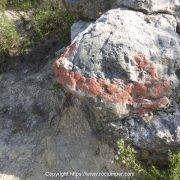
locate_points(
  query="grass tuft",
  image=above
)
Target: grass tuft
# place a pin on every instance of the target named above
(9, 37)
(3, 4)
(49, 21)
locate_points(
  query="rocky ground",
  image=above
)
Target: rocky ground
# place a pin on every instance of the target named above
(42, 128)
(42, 131)
(118, 78)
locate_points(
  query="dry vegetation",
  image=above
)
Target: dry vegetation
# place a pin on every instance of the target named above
(47, 19)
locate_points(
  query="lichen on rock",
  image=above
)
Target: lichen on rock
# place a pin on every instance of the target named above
(103, 63)
(122, 68)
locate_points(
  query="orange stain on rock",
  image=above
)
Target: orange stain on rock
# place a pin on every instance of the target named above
(147, 96)
(150, 105)
(139, 89)
(69, 50)
(145, 65)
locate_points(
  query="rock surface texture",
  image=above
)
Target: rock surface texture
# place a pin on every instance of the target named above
(43, 130)
(152, 7)
(89, 9)
(125, 70)
(119, 78)
(78, 27)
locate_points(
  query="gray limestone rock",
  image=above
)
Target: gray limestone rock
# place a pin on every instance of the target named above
(126, 49)
(78, 27)
(88, 9)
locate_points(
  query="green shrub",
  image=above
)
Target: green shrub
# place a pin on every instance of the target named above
(9, 37)
(127, 156)
(49, 21)
(175, 166)
(56, 87)
(33, 4)
(3, 4)
(22, 4)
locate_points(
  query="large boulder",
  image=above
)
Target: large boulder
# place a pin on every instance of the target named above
(148, 6)
(124, 69)
(89, 9)
(153, 6)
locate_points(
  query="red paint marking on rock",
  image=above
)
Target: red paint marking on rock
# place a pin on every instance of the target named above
(144, 97)
(145, 65)
(68, 52)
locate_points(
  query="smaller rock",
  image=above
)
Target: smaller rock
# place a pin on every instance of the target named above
(87, 9)
(78, 27)
(91, 10)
